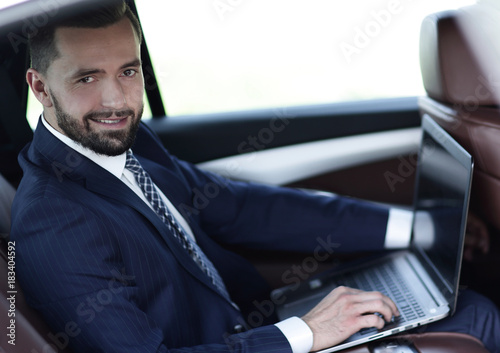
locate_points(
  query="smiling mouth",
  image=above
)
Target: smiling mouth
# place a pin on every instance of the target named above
(112, 122)
(108, 121)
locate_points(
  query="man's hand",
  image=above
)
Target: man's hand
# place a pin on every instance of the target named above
(344, 312)
(477, 237)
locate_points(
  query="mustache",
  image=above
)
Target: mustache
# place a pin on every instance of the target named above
(108, 114)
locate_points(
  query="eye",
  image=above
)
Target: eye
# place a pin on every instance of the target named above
(129, 73)
(87, 79)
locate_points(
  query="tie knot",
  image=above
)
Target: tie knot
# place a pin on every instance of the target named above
(132, 163)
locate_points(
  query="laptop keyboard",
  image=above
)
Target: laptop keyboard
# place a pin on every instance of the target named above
(387, 280)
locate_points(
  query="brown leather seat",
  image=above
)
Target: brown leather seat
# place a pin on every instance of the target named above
(434, 342)
(456, 51)
(28, 331)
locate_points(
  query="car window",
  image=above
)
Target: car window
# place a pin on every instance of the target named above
(223, 55)
(7, 3)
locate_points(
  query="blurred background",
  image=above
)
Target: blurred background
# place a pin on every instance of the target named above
(229, 55)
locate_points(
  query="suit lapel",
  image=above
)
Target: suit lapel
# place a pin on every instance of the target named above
(66, 163)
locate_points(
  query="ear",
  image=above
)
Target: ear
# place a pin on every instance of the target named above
(36, 81)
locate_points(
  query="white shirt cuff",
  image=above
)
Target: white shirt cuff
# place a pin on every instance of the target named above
(399, 225)
(298, 334)
(424, 230)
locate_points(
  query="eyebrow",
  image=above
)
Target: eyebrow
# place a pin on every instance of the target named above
(89, 72)
(133, 63)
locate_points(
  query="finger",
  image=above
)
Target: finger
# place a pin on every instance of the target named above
(484, 243)
(468, 254)
(470, 240)
(374, 295)
(341, 291)
(477, 241)
(370, 320)
(349, 290)
(477, 233)
(357, 296)
(383, 299)
(377, 306)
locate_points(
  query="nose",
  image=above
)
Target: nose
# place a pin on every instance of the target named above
(113, 96)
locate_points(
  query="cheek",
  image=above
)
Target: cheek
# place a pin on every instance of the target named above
(81, 103)
(135, 93)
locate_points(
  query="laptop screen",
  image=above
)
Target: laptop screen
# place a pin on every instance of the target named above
(441, 205)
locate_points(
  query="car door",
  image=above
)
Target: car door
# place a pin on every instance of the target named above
(362, 149)
(347, 119)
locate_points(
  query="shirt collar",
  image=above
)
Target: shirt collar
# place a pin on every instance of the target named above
(113, 164)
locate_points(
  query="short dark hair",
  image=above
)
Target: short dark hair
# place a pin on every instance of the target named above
(43, 49)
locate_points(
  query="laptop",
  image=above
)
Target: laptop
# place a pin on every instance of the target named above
(423, 280)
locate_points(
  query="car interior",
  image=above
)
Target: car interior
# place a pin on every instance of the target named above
(363, 149)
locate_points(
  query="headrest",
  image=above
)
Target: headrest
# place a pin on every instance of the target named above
(449, 60)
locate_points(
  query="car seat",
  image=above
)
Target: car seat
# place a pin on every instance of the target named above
(27, 331)
(462, 94)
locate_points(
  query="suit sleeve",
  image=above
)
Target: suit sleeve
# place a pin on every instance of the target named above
(263, 217)
(92, 300)
(280, 218)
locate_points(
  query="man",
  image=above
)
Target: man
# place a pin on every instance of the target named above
(105, 252)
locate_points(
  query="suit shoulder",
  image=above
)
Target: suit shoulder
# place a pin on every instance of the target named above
(40, 187)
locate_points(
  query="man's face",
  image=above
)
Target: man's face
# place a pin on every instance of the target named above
(95, 87)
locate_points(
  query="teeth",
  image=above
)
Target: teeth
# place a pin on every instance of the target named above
(108, 121)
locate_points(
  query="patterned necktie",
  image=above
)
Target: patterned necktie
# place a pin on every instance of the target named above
(147, 187)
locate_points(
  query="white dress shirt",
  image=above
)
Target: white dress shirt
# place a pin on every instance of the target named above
(116, 166)
(297, 332)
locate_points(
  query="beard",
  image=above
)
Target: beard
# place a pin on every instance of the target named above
(109, 143)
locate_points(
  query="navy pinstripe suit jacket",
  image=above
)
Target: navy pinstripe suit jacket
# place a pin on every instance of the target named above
(107, 276)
